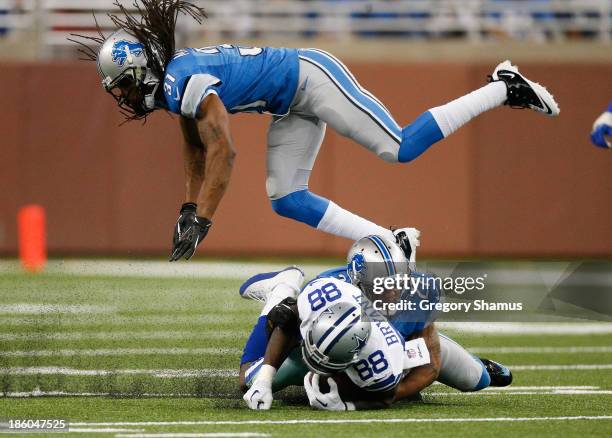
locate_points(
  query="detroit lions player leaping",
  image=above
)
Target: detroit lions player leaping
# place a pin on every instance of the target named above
(303, 89)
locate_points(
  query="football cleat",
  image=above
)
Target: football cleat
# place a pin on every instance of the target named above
(523, 93)
(408, 241)
(260, 285)
(500, 375)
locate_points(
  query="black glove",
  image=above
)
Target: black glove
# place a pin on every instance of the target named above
(186, 216)
(189, 231)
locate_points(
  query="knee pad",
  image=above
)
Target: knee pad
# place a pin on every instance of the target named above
(301, 206)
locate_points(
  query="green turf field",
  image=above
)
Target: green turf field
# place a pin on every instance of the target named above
(120, 356)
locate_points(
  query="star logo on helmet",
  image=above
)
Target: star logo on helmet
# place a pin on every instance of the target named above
(123, 48)
(360, 344)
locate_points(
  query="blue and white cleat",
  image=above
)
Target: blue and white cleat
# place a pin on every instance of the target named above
(260, 285)
(523, 93)
(500, 375)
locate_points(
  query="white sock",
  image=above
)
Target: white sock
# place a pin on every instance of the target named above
(457, 113)
(343, 223)
(278, 294)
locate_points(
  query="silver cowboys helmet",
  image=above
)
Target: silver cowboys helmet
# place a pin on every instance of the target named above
(372, 258)
(335, 339)
(122, 62)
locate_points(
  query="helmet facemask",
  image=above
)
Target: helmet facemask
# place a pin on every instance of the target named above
(134, 81)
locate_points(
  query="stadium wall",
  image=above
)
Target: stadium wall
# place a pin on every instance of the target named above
(508, 184)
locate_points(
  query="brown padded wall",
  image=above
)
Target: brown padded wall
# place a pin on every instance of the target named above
(511, 183)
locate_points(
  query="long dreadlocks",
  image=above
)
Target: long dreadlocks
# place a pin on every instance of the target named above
(152, 23)
(156, 26)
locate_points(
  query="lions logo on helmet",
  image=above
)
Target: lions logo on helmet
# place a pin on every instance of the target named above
(122, 49)
(356, 267)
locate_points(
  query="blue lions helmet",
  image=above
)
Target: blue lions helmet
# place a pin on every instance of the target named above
(123, 63)
(373, 259)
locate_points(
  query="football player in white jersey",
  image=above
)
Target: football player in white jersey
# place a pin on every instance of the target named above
(433, 357)
(304, 90)
(337, 336)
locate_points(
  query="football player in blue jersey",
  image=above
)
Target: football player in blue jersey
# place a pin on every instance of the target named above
(304, 90)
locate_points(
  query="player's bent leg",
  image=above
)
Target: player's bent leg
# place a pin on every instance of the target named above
(325, 215)
(272, 289)
(259, 286)
(293, 144)
(459, 369)
(338, 99)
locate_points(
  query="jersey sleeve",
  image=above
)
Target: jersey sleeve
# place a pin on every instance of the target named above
(198, 87)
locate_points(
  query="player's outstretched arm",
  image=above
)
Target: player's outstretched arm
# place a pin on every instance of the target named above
(283, 325)
(214, 129)
(209, 159)
(421, 377)
(194, 155)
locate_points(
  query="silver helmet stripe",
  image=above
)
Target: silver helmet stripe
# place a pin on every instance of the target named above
(335, 340)
(338, 330)
(331, 329)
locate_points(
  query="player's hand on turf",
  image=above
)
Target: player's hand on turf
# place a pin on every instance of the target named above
(189, 231)
(329, 401)
(259, 396)
(602, 131)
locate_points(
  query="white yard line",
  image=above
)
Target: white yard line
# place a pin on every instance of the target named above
(162, 373)
(535, 328)
(226, 315)
(228, 372)
(519, 390)
(37, 309)
(536, 388)
(121, 352)
(101, 430)
(487, 393)
(162, 269)
(560, 367)
(350, 421)
(190, 435)
(469, 327)
(77, 336)
(540, 350)
(227, 351)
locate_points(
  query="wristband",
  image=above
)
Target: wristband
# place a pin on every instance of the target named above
(189, 206)
(266, 373)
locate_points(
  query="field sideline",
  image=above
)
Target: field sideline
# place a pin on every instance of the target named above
(124, 349)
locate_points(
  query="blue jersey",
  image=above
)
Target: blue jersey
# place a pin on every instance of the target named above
(245, 79)
(405, 322)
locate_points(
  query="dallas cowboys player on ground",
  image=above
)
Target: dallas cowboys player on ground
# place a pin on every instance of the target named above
(303, 89)
(369, 258)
